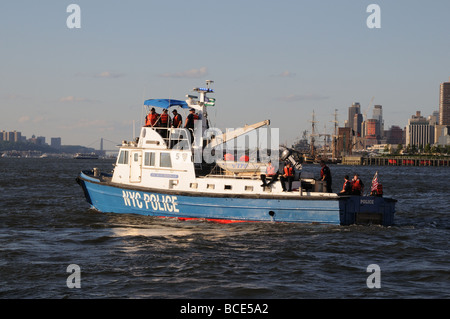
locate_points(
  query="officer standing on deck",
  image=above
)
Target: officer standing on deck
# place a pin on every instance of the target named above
(325, 175)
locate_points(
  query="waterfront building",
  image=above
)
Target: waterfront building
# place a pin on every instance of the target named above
(444, 136)
(419, 131)
(441, 135)
(394, 135)
(17, 136)
(444, 104)
(55, 142)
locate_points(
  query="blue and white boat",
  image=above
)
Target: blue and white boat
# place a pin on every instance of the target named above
(159, 174)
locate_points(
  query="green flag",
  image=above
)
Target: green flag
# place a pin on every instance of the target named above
(210, 102)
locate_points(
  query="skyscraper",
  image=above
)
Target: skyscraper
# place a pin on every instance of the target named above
(444, 104)
(352, 110)
(378, 115)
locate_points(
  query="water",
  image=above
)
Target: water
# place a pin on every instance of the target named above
(46, 225)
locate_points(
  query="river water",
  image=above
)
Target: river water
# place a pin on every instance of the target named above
(46, 225)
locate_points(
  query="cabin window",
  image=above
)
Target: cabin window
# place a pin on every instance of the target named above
(136, 157)
(227, 187)
(210, 186)
(165, 160)
(249, 188)
(149, 159)
(123, 157)
(194, 185)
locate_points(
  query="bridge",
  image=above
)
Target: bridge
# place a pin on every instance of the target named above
(101, 145)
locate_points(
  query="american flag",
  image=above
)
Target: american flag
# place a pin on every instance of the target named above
(374, 182)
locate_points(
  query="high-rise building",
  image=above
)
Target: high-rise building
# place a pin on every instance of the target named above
(352, 110)
(378, 115)
(357, 121)
(444, 104)
(17, 136)
(55, 142)
(40, 140)
(10, 136)
(419, 131)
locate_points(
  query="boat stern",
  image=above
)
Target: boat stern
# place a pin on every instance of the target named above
(367, 210)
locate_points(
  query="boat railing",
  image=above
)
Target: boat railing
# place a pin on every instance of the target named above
(175, 138)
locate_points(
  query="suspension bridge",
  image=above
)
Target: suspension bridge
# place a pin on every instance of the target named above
(101, 143)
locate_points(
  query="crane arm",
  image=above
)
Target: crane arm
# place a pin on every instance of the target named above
(221, 139)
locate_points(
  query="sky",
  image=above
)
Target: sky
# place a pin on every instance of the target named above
(279, 60)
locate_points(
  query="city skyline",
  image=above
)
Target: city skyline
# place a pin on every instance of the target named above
(279, 61)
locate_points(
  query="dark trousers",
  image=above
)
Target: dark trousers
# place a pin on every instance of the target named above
(273, 179)
(288, 179)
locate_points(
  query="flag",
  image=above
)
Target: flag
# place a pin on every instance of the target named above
(374, 183)
(210, 101)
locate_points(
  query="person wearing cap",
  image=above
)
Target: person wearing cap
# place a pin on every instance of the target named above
(177, 119)
(189, 124)
(152, 118)
(270, 172)
(164, 121)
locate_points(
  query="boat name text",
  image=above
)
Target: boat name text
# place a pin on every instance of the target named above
(165, 203)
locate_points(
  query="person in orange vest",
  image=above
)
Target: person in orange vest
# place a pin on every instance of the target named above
(357, 185)
(325, 175)
(270, 172)
(347, 187)
(288, 176)
(152, 118)
(177, 119)
(164, 120)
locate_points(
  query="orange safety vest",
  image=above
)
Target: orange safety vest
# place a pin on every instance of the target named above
(356, 186)
(164, 119)
(176, 120)
(288, 171)
(151, 119)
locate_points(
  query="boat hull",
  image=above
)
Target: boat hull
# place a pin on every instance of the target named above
(107, 197)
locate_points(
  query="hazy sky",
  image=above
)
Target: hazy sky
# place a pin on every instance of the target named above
(276, 60)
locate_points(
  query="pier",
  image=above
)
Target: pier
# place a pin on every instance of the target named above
(395, 161)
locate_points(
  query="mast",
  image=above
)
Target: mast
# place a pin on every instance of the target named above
(335, 136)
(313, 133)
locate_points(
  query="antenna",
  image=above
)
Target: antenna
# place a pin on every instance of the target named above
(208, 83)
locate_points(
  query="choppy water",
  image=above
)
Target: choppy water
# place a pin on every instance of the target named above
(46, 225)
